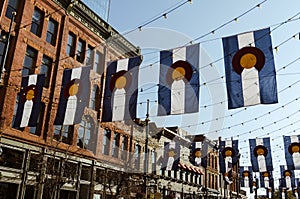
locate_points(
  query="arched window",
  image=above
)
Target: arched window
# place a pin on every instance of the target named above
(85, 133)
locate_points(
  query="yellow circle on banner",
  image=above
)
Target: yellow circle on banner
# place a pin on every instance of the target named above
(260, 151)
(198, 154)
(171, 153)
(248, 60)
(73, 90)
(266, 174)
(178, 73)
(228, 153)
(295, 149)
(120, 82)
(286, 173)
(30, 94)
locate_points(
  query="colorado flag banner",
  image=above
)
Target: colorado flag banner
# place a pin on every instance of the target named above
(121, 90)
(292, 151)
(228, 157)
(74, 96)
(29, 105)
(287, 177)
(198, 153)
(246, 176)
(178, 91)
(261, 158)
(171, 155)
(249, 68)
(266, 179)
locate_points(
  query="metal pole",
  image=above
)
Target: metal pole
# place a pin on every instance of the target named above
(146, 149)
(2, 68)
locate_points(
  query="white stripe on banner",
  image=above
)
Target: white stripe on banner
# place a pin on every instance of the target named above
(32, 80)
(270, 194)
(282, 195)
(119, 95)
(250, 79)
(72, 100)
(178, 87)
(170, 159)
(261, 158)
(295, 155)
(288, 181)
(228, 160)
(246, 182)
(266, 180)
(198, 145)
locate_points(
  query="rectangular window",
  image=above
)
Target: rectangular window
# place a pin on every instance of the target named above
(12, 6)
(29, 61)
(46, 69)
(52, 32)
(137, 156)
(63, 133)
(71, 44)
(115, 145)
(37, 22)
(99, 62)
(80, 51)
(106, 142)
(89, 56)
(124, 146)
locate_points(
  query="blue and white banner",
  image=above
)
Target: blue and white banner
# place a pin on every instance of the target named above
(121, 90)
(292, 151)
(29, 105)
(246, 176)
(250, 71)
(198, 153)
(287, 177)
(260, 151)
(266, 179)
(228, 157)
(74, 96)
(171, 156)
(178, 91)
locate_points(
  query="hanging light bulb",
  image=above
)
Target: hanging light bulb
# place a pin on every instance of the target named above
(165, 15)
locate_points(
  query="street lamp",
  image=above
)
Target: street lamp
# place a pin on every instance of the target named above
(2, 67)
(145, 123)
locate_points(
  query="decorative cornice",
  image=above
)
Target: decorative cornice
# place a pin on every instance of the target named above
(99, 27)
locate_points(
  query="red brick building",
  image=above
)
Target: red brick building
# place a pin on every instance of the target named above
(55, 161)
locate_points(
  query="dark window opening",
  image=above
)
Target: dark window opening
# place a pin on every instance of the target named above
(37, 22)
(46, 69)
(52, 32)
(71, 44)
(29, 61)
(63, 133)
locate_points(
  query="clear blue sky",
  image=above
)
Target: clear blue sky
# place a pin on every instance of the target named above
(196, 19)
